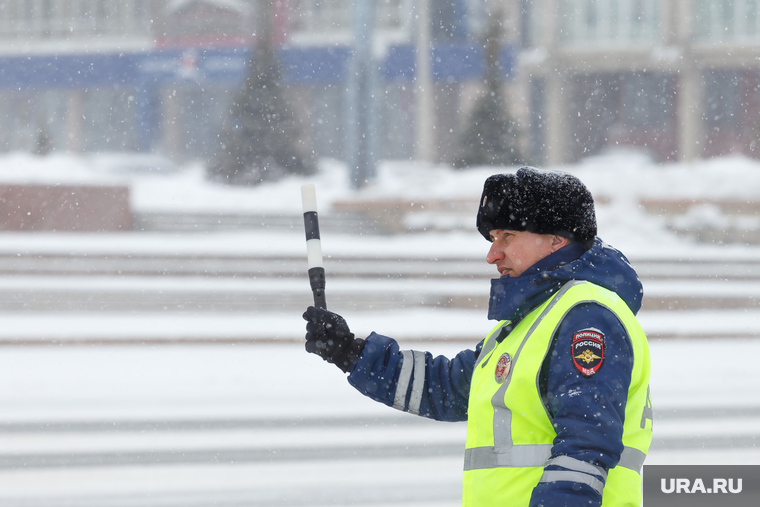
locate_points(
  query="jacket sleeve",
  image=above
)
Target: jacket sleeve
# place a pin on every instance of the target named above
(413, 381)
(588, 411)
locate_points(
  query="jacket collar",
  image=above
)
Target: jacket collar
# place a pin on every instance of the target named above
(513, 298)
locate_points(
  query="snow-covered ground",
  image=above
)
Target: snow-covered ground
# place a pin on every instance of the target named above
(249, 418)
(619, 181)
(239, 424)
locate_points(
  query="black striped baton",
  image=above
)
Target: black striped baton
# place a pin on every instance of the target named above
(313, 244)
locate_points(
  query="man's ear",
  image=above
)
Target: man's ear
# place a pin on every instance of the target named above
(558, 242)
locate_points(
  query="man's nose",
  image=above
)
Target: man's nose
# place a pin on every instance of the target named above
(494, 254)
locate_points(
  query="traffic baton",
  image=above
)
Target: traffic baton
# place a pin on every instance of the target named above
(313, 244)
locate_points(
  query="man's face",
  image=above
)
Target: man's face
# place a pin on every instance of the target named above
(512, 252)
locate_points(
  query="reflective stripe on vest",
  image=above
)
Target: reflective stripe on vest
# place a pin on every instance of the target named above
(535, 455)
(533, 449)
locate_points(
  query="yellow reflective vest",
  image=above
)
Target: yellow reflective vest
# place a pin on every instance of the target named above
(509, 431)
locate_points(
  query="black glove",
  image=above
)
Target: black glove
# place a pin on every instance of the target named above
(328, 336)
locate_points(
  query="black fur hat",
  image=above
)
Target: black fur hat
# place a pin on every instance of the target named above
(543, 202)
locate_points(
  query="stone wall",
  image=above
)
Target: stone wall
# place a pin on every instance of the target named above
(38, 207)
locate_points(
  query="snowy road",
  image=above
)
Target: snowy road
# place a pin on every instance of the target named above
(271, 425)
(236, 288)
(159, 371)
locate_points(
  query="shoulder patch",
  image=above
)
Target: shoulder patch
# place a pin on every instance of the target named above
(588, 351)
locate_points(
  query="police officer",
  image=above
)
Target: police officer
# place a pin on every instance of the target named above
(556, 397)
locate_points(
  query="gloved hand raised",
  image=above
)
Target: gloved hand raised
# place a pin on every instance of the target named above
(328, 336)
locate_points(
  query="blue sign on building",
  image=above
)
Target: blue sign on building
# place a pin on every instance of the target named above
(323, 65)
(147, 71)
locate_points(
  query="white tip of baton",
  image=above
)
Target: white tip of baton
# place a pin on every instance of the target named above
(309, 197)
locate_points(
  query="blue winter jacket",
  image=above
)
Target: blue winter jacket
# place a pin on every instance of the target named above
(588, 413)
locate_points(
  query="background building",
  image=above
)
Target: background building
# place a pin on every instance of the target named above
(678, 78)
(94, 75)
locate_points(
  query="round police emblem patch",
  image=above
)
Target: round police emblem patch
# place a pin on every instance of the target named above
(503, 367)
(588, 351)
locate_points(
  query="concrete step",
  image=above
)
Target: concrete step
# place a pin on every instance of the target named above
(235, 266)
(57, 280)
(269, 302)
(254, 265)
(352, 223)
(290, 294)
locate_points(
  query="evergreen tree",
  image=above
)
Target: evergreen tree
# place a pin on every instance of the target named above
(259, 139)
(491, 135)
(44, 144)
